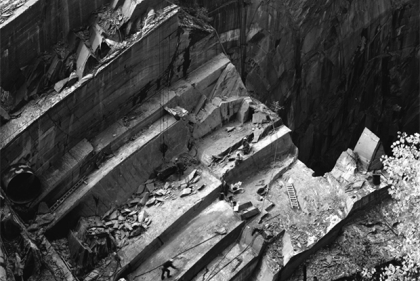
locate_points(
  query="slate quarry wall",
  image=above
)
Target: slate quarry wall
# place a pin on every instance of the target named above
(335, 67)
(47, 129)
(35, 28)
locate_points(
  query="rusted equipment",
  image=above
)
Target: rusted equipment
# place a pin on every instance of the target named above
(21, 184)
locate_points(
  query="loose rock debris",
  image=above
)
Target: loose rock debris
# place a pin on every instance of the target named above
(8, 8)
(95, 238)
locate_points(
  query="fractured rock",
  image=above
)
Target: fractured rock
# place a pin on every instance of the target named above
(186, 191)
(191, 176)
(135, 201)
(150, 186)
(145, 198)
(177, 112)
(269, 206)
(250, 212)
(142, 215)
(259, 118)
(151, 201)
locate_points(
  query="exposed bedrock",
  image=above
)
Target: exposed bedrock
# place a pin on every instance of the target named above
(335, 67)
(35, 28)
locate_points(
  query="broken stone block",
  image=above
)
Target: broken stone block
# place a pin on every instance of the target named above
(177, 112)
(369, 150)
(236, 207)
(151, 201)
(128, 226)
(195, 179)
(135, 201)
(145, 198)
(250, 212)
(191, 176)
(92, 276)
(230, 129)
(201, 187)
(358, 184)
(109, 223)
(244, 206)
(259, 118)
(106, 215)
(186, 191)
(60, 85)
(263, 216)
(150, 186)
(269, 206)
(140, 189)
(142, 215)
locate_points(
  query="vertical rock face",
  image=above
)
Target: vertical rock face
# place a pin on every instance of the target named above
(34, 29)
(335, 66)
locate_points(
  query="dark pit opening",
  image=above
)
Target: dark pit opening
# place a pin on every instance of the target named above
(23, 187)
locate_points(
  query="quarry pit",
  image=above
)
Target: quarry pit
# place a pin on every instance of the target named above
(215, 135)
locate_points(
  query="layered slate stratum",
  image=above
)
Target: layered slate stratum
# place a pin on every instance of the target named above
(158, 146)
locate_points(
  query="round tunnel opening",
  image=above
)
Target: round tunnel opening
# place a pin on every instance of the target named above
(21, 184)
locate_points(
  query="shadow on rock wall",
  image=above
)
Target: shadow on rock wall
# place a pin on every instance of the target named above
(335, 66)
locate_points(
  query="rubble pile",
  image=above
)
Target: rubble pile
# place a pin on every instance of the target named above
(91, 244)
(110, 20)
(28, 255)
(129, 221)
(52, 72)
(189, 21)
